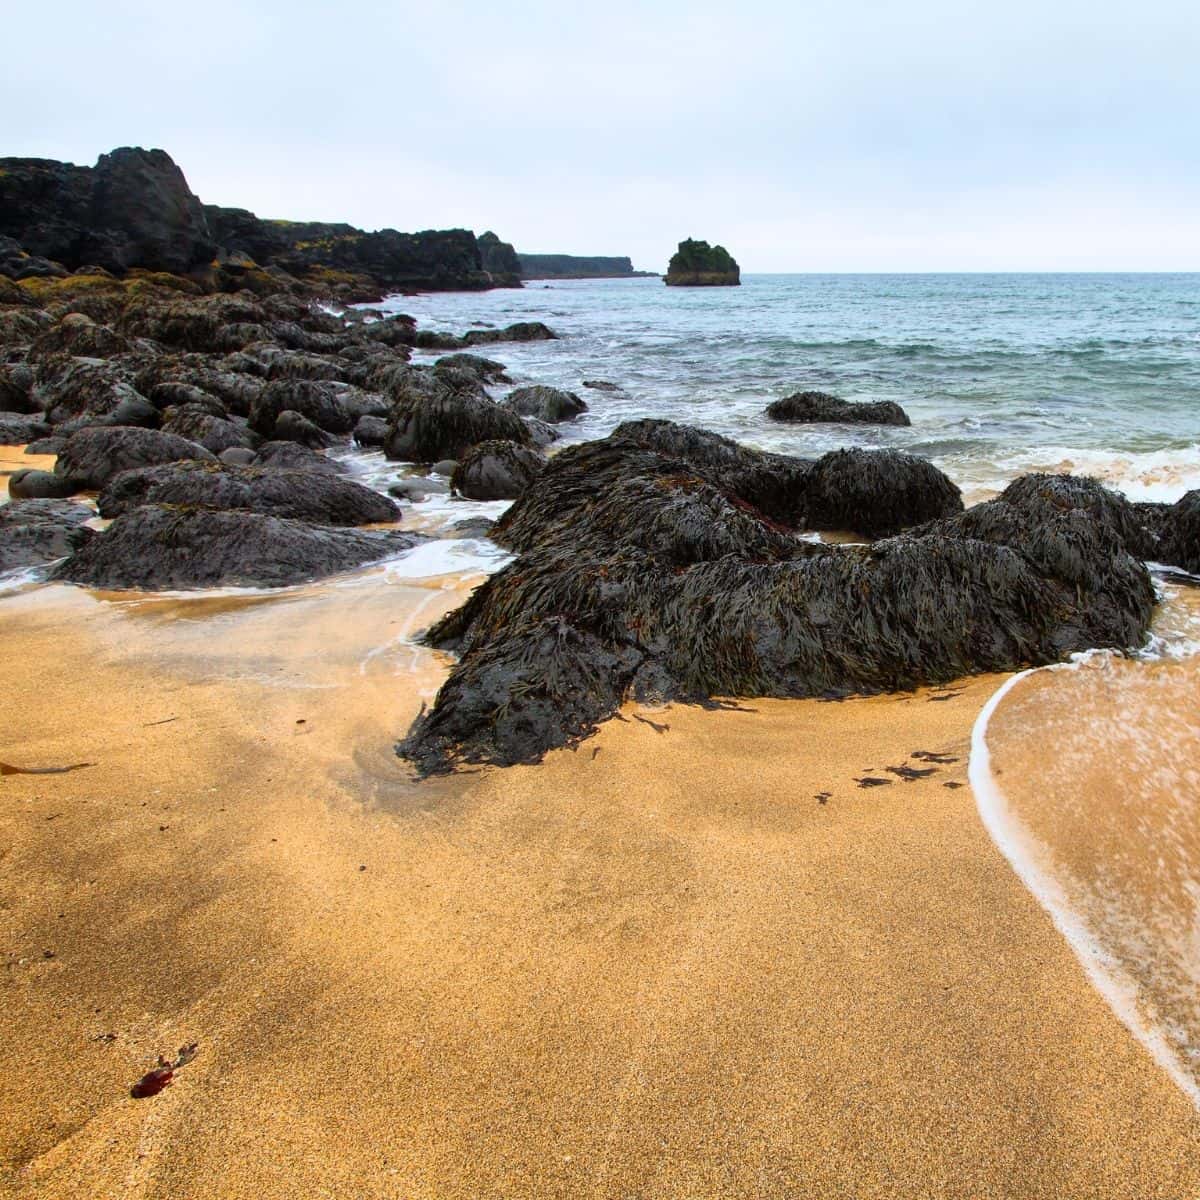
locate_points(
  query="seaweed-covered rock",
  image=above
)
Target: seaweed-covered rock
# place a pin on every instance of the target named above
(16, 389)
(316, 401)
(1066, 493)
(658, 579)
(81, 389)
(521, 331)
(38, 531)
(370, 431)
(496, 471)
(876, 492)
(486, 370)
(697, 264)
(197, 423)
(545, 403)
(321, 497)
(16, 429)
(295, 427)
(291, 456)
(1180, 537)
(447, 425)
(32, 484)
(79, 336)
(154, 546)
(91, 457)
(812, 407)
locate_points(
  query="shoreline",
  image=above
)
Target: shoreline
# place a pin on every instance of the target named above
(658, 964)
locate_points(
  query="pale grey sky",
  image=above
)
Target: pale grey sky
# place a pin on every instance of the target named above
(805, 136)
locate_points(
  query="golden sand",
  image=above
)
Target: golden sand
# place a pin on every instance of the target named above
(693, 958)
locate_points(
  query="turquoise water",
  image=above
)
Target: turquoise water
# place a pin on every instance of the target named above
(999, 373)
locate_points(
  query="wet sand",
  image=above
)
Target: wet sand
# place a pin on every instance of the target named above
(693, 958)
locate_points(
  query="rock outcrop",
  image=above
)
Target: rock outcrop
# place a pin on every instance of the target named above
(813, 407)
(653, 574)
(576, 266)
(697, 264)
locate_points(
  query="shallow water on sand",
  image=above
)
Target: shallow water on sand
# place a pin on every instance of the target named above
(1088, 777)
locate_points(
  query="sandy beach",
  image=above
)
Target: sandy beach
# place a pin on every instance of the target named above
(692, 958)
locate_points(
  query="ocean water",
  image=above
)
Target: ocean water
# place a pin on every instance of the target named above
(1000, 374)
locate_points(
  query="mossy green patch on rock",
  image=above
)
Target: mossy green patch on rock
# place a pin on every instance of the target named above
(697, 264)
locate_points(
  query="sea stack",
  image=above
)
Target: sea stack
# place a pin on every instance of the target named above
(697, 264)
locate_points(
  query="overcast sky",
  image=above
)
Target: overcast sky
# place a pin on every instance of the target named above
(837, 135)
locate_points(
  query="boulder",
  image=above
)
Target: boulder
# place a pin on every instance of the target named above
(643, 575)
(16, 429)
(876, 492)
(33, 532)
(496, 471)
(1180, 538)
(153, 547)
(16, 390)
(545, 403)
(446, 425)
(31, 484)
(81, 389)
(315, 401)
(295, 427)
(91, 457)
(80, 337)
(197, 423)
(521, 331)
(291, 456)
(813, 407)
(237, 456)
(321, 497)
(370, 431)
(486, 370)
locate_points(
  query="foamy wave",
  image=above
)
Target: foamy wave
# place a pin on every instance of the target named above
(1161, 475)
(1026, 856)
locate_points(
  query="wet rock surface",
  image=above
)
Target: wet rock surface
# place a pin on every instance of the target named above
(155, 547)
(91, 457)
(33, 532)
(811, 407)
(545, 403)
(325, 498)
(496, 471)
(654, 575)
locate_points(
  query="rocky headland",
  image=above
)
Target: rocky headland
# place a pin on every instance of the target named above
(697, 264)
(134, 210)
(577, 266)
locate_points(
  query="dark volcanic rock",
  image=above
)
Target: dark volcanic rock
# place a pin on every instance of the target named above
(17, 429)
(79, 336)
(546, 403)
(133, 209)
(81, 389)
(499, 260)
(496, 471)
(486, 370)
(31, 484)
(16, 390)
(370, 431)
(522, 331)
(153, 547)
(38, 531)
(324, 498)
(1180, 538)
(876, 492)
(290, 456)
(197, 423)
(811, 407)
(316, 401)
(648, 575)
(295, 427)
(91, 457)
(697, 264)
(447, 425)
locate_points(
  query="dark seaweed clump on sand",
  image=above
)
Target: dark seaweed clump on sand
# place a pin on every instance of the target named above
(664, 562)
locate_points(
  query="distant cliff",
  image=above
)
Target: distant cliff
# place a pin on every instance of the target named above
(134, 210)
(697, 264)
(575, 266)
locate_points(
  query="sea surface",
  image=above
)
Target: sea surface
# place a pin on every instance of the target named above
(1000, 374)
